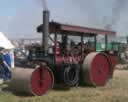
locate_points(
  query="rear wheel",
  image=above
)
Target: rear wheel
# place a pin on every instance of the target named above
(96, 69)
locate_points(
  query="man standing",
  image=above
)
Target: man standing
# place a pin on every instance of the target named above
(3, 65)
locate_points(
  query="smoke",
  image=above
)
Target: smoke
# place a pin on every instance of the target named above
(43, 4)
(86, 9)
(106, 14)
(118, 7)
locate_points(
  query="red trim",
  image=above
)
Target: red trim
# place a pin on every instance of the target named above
(86, 30)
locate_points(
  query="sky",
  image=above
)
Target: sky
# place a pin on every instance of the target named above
(19, 18)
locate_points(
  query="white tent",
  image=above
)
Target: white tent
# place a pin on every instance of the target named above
(5, 42)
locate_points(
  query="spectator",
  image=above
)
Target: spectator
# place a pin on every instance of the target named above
(3, 65)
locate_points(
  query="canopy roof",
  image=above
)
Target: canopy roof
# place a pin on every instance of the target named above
(5, 42)
(60, 28)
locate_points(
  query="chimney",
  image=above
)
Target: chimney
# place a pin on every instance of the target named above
(45, 31)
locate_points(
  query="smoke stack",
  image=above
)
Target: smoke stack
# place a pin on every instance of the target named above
(45, 31)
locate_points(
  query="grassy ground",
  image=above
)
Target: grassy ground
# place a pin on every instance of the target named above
(115, 91)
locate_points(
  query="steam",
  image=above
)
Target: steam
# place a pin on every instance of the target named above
(44, 4)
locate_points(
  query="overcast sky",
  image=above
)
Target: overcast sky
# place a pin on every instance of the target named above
(19, 18)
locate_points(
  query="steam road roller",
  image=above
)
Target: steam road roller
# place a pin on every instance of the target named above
(68, 59)
(73, 57)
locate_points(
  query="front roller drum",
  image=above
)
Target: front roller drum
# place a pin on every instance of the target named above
(96, 69)
(32, 81)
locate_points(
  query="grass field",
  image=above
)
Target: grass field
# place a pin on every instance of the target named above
(115, 91)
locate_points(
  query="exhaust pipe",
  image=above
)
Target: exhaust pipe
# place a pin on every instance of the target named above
(45, 31)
